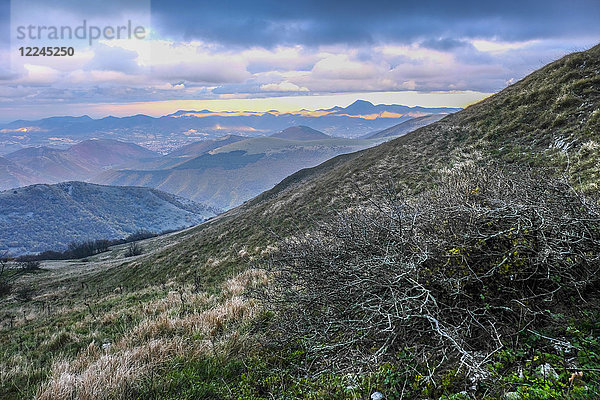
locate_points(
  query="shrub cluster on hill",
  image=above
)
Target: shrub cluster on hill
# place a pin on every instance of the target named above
(448, 278)
(90, 247)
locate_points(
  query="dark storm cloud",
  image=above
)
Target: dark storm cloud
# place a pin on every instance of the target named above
(445, 44)
(87, 8)
(268, 23)
(4, 35)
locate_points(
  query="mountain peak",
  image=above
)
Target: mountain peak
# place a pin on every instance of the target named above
(362, 103)
(360, 107)
(301, 132)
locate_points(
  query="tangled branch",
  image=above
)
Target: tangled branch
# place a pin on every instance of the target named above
(448, 275)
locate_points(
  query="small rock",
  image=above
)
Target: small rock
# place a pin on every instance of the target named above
(106, 346)
(547, 372)
(377, 396)
(512, 396)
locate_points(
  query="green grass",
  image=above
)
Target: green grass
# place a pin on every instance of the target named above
(517, 367)
(279, 374)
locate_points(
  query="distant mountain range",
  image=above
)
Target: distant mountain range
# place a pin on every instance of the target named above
(49, 217)
(222, 172)
(225, 172)
(172, 131)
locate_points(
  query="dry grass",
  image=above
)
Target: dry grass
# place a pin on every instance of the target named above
(15, 365)
(181, 324)
(247, 279)
(111, 375)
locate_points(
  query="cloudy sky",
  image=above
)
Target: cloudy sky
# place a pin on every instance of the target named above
(260, 55)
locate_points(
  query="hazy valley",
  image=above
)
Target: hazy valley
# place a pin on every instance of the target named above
(222, 172)
(167, 133)
(226, 176)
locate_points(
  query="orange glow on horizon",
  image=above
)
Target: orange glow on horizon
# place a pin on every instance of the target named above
(313, 105)
(301, 105)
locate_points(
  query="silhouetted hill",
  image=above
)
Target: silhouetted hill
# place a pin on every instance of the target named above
(300, 133)
(166, 133)
(49, 217)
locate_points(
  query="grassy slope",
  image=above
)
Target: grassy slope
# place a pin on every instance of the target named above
(406, 126)
(551, 117)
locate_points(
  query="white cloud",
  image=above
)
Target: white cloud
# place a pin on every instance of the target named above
(280, 58)
(168, 86)
(187, 61)
(212, 71)
(84, 78)
(415, 54)
(494, 46)
(340, 66)
(39, 75)
(284, 86)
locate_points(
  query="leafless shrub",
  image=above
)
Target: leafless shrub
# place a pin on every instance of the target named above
(5, 285)
(10, 270)
(134, 249)
(29, 265)
(448, 275)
